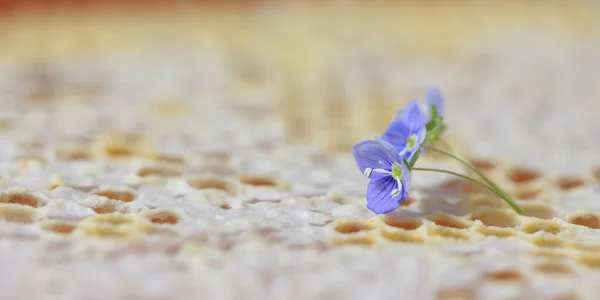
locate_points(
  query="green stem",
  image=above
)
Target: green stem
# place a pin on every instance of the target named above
(510, 202)
(471, 167)
(498, 190)
(459, 175)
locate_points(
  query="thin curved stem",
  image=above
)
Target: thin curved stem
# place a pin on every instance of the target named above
(498, 190)
(458, 175)
(471, 167)
(510, 202)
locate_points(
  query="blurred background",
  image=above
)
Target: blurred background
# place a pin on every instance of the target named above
(519, 77)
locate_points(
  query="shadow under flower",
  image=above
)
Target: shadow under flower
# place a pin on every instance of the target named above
(449, 197)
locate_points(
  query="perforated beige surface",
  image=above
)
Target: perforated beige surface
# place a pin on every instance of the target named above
(222, 170)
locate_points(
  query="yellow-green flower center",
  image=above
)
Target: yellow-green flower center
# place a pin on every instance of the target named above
(411, 142)
(397, 171)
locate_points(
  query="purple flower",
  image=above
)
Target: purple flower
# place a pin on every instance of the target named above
(390, 176)
(408, 131)
(435, 103)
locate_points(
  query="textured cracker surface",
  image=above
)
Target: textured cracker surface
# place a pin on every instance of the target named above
(207, 155)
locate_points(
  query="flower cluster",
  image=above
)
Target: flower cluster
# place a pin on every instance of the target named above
(387, 161)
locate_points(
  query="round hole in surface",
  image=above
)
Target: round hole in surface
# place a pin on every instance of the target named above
(120, 144)
(158, 171)
(352, 226)
(538, 210)
(483, 200)
(162, 217)
(590, 221)
(496, 218)
(527, 193)
(125, 196)
(522, 175)
(59, 227)
(22, 199)
(213, 183)
(406, 224)
(69, 154)
(584, 219)
(553, 268)
(464, 186)
(118, 151)
(448, 221)
(483, 164)
(257, 180)
(105, 208)
(569, 183)
(505, 275)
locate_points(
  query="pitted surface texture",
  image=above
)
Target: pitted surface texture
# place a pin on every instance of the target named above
(186, 160)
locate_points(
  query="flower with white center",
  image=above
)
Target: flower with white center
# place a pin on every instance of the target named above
(389, 175)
